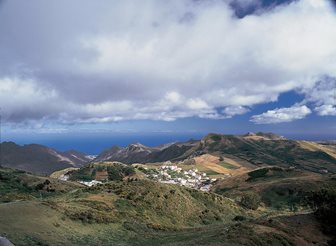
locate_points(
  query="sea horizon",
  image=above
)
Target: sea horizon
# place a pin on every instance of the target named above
(93, 144)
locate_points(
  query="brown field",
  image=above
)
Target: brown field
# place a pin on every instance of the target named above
(312, 146)
(210, 162)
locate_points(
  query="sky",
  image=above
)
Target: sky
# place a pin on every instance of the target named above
(87, 74)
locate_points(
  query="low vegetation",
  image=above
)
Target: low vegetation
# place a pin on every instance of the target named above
(16, 185)
(250, 200)
(278, 188)
(323, 202)
(114, 171)
(269, 150)
(142, 212)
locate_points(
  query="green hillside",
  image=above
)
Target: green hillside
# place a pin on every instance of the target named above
(279, 152)
(143, 212)
(17, 185)
(278, 188)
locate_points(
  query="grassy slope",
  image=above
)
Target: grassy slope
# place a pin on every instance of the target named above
(279, 188)
(18, 185)
(318, 147)
(212, 164)
(143, 213)
(31, 223)
(270, 152)
(118, 212)
(59, 173)
(156, 205)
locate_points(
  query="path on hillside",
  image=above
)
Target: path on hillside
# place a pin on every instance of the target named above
(5, 242)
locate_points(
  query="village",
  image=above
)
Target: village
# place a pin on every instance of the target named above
(171, 174)
(168, 174)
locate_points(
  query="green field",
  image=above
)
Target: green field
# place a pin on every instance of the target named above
(227, 165)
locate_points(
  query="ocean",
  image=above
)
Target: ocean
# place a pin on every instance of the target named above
(95, 143)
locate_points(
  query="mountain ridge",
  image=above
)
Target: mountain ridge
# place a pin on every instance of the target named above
(38, 158)
(249, 150)
(258, 149)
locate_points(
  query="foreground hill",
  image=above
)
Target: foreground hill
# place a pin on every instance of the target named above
(141, 212)
(278, 188)
(248, 151)
(39, 159)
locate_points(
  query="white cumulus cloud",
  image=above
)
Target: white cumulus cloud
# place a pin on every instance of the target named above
(280, 115)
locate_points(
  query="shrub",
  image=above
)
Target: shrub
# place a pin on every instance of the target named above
(324, 204)
(216, 137)
(259, 173)
(39, 186)
(142, 169)
(114, 173)
(250, 200)
(118, 172)
(239, 218)
(81, 174)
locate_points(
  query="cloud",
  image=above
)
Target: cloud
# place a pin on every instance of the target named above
(231, 111)
(322, 95)
(280, 115)
(326, 110)
(89, 61)
(25, 99)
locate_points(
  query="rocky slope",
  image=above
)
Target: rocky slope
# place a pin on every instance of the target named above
(138, 153)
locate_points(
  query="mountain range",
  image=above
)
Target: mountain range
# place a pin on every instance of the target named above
(250, 150)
